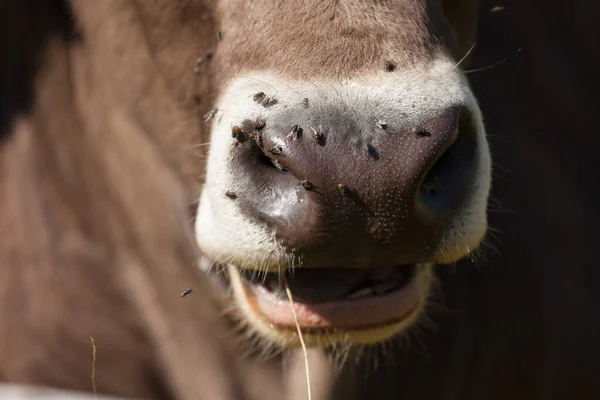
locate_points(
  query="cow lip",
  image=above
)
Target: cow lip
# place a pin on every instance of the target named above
(347, 313)
(316, 286)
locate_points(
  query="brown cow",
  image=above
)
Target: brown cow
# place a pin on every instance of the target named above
(346, 164)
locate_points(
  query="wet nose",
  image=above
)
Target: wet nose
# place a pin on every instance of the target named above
(339, 189)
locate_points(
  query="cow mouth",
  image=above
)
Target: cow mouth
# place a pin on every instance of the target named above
(358, 305)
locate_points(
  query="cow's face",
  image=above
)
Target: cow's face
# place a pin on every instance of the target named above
(347, 156)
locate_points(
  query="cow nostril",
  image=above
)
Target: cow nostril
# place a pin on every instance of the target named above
(271, 162)
(264, 160)
(259, 156)
(448, 181)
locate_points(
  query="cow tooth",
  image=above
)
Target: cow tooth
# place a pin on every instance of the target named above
(364, 292)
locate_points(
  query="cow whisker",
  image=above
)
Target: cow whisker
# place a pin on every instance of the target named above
(465, 56)
(266, 83)
(505, 59)
(200, 145)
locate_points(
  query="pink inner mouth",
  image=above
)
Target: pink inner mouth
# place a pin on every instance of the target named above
(337, 299)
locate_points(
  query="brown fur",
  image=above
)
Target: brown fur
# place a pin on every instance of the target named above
(339, 39)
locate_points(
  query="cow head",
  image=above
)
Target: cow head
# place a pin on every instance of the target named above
(347, 156)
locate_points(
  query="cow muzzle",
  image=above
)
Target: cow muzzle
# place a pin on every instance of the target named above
(348, 192)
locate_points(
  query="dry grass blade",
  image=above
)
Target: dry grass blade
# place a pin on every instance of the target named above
(289, 295)
(93, 365)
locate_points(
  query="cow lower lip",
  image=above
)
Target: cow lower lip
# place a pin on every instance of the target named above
(363, 308)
